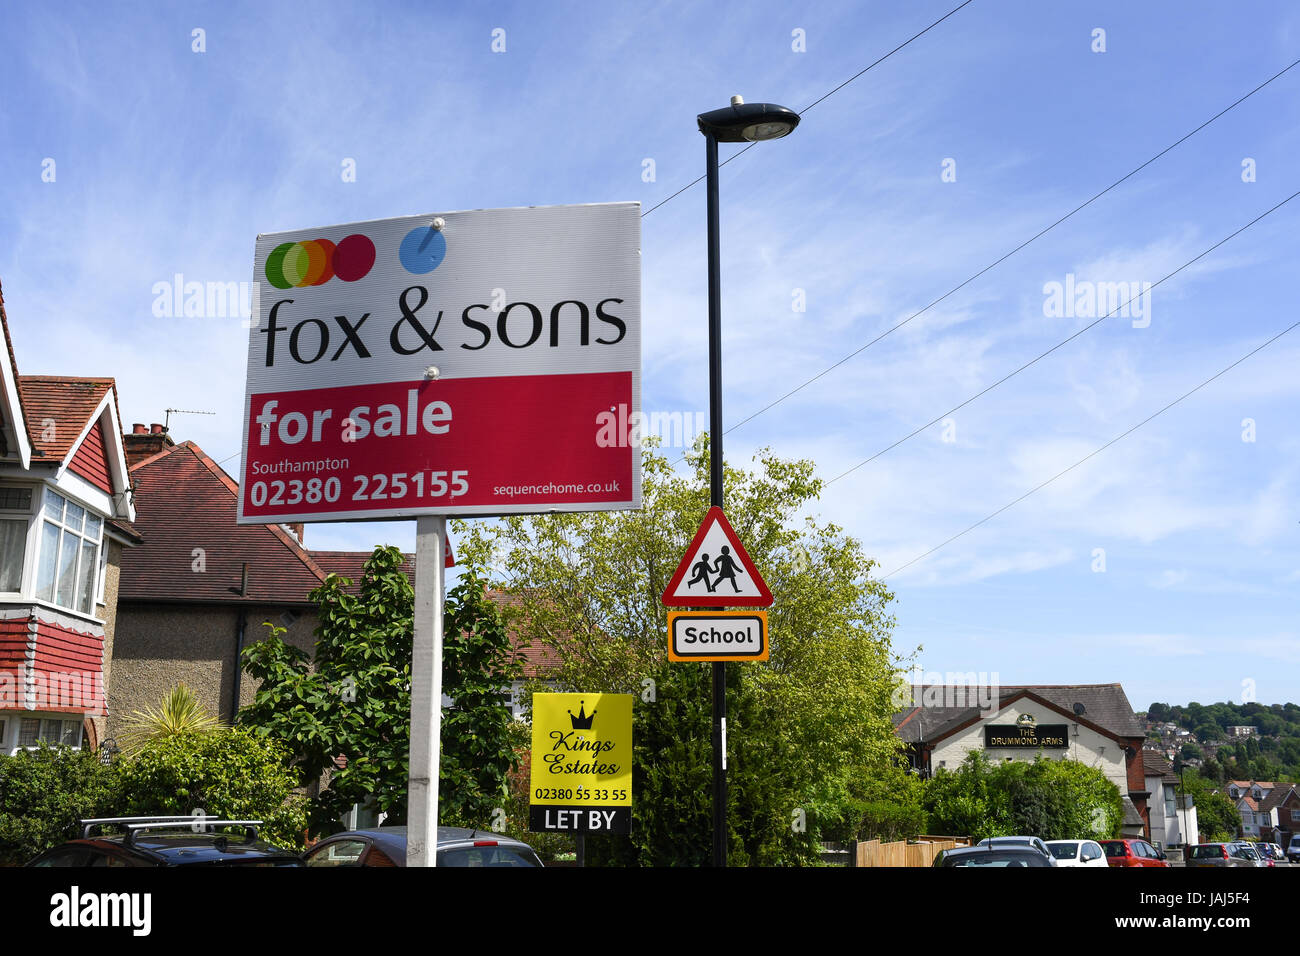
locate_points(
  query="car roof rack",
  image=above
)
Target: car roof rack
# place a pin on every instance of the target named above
(90, 823)
(136, 825)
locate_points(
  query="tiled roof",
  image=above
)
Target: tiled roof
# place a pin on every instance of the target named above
(351, 564)
(67, 402)
(1104, 705)
(1155, 765)
(184, 502)
(1277, 796)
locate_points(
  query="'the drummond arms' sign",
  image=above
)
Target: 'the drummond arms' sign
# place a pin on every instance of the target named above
(1048, 736)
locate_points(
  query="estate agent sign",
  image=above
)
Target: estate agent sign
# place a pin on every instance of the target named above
(459, 363)
(581, 776)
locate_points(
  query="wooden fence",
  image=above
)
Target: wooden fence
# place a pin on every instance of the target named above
(903, 853)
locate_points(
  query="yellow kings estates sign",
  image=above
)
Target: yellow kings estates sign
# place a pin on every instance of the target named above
(581, 763)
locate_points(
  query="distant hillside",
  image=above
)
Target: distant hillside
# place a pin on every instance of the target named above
(1272, 752)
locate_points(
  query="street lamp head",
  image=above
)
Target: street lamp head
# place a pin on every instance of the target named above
(748, 122)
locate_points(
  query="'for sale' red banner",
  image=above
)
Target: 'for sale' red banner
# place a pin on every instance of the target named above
(463, 445)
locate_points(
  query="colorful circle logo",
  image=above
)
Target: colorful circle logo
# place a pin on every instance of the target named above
(294, 265)
(422, 250)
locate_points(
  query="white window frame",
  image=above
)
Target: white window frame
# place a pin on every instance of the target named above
(60, 728)
(27, 516)
(36, 532)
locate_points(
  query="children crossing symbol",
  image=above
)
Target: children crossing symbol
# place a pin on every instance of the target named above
(720, 571)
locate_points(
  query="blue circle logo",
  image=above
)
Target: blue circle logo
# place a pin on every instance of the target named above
(422, 250)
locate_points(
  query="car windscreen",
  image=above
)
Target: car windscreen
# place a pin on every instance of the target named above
(1114, 849)
(1064, 851)
(1207, 851)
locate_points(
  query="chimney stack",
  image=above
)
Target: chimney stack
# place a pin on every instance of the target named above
(145, 442)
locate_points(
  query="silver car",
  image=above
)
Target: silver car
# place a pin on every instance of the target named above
(1217, 855)
(1001, 841)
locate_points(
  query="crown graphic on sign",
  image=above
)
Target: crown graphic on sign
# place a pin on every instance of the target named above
(1026, 720)
(581, 720)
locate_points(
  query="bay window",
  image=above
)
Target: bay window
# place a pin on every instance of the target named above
(70, 540)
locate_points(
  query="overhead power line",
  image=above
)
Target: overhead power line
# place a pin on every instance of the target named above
(1117, 438)
(1042, 355)
(818, 100)
(1038, 235)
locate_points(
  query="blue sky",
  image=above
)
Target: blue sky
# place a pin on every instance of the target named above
(170, 161)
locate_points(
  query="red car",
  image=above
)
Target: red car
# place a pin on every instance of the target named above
(1132, 853)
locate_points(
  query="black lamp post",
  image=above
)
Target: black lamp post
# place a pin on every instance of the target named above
(740, 122)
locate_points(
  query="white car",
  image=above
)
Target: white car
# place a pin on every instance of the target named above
(1077, 853)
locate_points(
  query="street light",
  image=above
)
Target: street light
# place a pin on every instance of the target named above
(740, 122)
(753, 122)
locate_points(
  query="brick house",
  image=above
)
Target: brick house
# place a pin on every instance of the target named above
(201, 586)
(64, 498)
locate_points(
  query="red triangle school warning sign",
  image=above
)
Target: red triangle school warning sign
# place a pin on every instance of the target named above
(716, 571)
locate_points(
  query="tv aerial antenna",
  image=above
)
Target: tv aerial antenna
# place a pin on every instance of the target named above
(167, 421)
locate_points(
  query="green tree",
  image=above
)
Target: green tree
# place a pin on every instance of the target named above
(352, 699)
(589, 586)
(45, 792)
(1051, 799)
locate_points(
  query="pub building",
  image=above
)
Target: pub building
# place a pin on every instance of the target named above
(1091, 723)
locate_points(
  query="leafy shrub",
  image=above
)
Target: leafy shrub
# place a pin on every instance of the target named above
(45, 792)
(228, 774)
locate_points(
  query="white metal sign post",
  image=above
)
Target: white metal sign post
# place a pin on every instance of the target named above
(466, 363)
(426, 691)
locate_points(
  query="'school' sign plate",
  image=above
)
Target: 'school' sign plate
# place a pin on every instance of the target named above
(717, 636)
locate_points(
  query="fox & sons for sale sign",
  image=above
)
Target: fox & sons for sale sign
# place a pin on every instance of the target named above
(483, 362)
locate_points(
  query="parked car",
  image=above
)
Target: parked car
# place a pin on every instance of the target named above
(1293, 851)
(1032, 841)
(1078, 853)
(386, 846)
(1248, 851)
(986, 854)
(167, 841)
(1215, 855)
(1131, 852)
(1273, 853)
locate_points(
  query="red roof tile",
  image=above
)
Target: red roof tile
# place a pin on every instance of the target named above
(351, 564)
(184, 502)
(65, 402)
